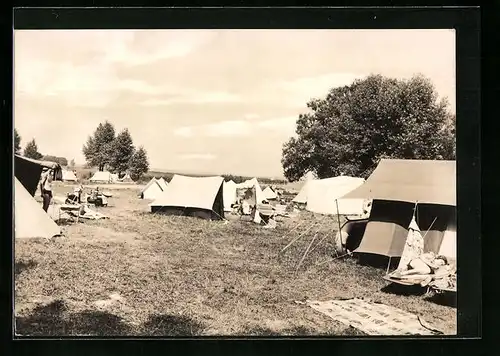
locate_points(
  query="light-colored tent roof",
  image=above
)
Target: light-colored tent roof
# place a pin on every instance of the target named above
(251, 183)
(163, 184)
(126, 179)
(152, 190)
(69, 176)
(114, 177)
(324, 195)
(190, 192)
(229, 194)
(301, 198)
(101, 176)
(309, 176)
(269, 193)
(30, 219)
(422, 181)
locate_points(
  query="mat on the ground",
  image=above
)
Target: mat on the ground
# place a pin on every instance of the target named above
(373, 318)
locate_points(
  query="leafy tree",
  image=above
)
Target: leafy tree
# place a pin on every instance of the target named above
(121, 152)
(17, 142)
(72, 163)
(355, 126)
(98, 148)
(138, 164)
(61, 160)
(31, 150)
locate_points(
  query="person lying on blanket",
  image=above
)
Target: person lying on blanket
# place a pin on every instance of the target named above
(426, 263)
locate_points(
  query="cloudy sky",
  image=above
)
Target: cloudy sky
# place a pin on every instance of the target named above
(200, 101)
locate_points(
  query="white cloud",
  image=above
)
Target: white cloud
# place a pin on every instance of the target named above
(300, 90)
(228, 128)
(174, 43)
(197, 156)
(186, 96)
(251, 116)
(184, 131)
(285, 124)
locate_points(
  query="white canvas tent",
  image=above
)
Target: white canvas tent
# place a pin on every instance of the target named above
(253, 183)
(322, 196)
(114, 177)
(270, 194)
(163, 184)
(229, 194)
(30, 219)
(126, 179)
(102, 177)
(152, 190)
(68, 176)
(192, 196)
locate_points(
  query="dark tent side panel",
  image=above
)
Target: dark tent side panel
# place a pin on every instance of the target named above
(218, 206)
(181, 211)
(28, 173)
(387, 228)
(433, 221)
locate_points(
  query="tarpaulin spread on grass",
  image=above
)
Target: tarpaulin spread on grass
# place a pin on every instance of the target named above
(373, 318)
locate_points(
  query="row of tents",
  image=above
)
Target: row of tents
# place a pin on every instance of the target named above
(399, 191)
(98, 177)
(208, 197)
(107, 177)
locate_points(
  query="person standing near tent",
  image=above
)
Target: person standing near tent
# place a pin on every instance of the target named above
(46, 188)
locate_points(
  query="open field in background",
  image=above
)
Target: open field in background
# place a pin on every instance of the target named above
(185, 276)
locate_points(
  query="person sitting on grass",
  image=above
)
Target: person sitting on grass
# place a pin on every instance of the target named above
(427, 263)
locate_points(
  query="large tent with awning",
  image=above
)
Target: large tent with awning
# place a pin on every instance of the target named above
(401, 189)
(192, 196)
(30, 220)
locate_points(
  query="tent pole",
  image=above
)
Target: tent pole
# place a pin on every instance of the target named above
(388, 265)
(340, 228)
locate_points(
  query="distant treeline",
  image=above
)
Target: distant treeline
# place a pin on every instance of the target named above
(227, 177)
(61, 160)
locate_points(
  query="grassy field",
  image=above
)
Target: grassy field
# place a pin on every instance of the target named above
(141, 274)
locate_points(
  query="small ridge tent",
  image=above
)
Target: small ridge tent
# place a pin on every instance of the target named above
(126, 179)
(114, 177)
(163, 184)
(192, 196)
(270, 194)
(68, 176)
(229, 194)
(30, 219)
(152, 190)
(101, 177)
(401, 189)
(252, 184)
